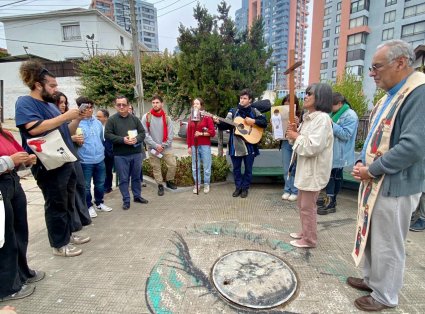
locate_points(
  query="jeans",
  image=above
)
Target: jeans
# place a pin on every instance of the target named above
(242, 181)
(129, 166)
(97, 172)
(335, 182)
(81, 215)
(204, 155)
(109, 165)
(289, 182)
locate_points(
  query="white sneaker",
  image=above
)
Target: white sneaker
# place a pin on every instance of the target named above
(285, 196)
(92, 212)
(206, 188)
(194, 189)
(103, 208)
(292, 197)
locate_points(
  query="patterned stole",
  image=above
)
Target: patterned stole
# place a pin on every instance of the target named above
(378, 145)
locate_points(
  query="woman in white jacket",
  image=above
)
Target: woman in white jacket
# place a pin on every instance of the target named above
(312, 155)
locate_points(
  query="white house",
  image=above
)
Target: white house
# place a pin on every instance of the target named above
(65, 34)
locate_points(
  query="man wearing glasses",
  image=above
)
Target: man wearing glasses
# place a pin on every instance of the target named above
(391, 170)
(126, 133)
(92, 155)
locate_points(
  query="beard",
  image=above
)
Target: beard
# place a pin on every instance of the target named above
(47, 97)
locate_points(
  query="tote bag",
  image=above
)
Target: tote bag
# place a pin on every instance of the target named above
(51, 150)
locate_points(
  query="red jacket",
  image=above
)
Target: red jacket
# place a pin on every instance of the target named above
(206, 122)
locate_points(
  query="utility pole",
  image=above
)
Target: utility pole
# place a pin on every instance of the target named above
(138, 89)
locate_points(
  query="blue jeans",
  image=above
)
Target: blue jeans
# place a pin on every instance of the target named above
(335, 182)
(204, 155)
(242, 181)
(289, 182)
(129, 166)
(98, 173)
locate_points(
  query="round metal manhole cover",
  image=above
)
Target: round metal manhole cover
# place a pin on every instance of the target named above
(254, 279)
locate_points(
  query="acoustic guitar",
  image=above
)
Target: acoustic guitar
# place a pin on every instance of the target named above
(250, 133)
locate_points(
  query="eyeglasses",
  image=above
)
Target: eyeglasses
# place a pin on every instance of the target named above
(122, 105)
(376, 67)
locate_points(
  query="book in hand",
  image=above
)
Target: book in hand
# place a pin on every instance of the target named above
(156, 153)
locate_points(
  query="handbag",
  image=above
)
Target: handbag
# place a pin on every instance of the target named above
(51, 150)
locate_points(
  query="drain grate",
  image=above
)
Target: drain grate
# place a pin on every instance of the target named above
(254, 279)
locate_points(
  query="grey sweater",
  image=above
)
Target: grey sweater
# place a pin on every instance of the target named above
(404, 164)
(155, 133)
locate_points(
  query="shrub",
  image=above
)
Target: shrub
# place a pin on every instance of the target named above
(219, 170)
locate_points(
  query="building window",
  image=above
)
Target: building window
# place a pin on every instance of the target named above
(389, 17)
(327, 22)
(325, 44)
(324, 66)
(337, 29)
(334, 74)
(359, 5)
(414, 10)
(327, 11)
(326, 33)
(390, 2)
(359, 21)
(71, 32)
(357, 54)
(355, 70)
(122, 40)
(336, 41)
(338, 6)
(359, 38)
(388, 34)
(335, 52)
(323, 77)
(413, 29)
(338, 17)
(325, 54)
(334, 63)
(328, 1)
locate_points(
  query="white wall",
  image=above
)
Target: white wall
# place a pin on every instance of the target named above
(13, 87)
(36, 33)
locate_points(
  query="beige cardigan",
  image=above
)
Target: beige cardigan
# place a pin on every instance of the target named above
(313, 148)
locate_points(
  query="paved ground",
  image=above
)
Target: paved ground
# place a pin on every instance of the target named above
(157, 258)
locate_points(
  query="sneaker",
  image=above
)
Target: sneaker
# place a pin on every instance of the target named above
(160, 190)
(300, 244)
(295, 235)
(195, 191)
(39, 275)
(292, 197)
(206, 188)
(92, 212)
(285, 196)
(125, 206)
(103, 208)
(67, 251)
(418, 226)
(25, 291)
(171, 185)
(78, 239)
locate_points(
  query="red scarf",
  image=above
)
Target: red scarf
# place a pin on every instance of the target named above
(158, 114)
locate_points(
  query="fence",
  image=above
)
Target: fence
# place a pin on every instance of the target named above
(61, 68)
(362, 128)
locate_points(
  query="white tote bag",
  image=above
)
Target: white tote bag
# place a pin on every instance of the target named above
(51, 149)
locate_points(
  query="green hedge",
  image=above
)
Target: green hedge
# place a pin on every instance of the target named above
(219, 170)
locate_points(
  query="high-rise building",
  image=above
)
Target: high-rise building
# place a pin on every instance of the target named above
(241, 17)
(346, 34)
(146, 17)
(285, 23)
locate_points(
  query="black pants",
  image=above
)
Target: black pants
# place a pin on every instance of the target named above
(109, 164)
(14, 270)
(81, 214)
(58, 188)
(335, 182)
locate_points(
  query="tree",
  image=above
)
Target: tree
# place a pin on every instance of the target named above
(215, 63)
(351, 88)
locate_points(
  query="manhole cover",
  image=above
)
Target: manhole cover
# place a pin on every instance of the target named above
(254, 279)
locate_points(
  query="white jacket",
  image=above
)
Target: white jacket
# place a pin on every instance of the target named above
(313, 148)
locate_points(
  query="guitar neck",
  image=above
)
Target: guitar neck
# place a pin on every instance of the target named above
(219, 118)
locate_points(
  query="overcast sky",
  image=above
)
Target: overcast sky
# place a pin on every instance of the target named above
(170, 14)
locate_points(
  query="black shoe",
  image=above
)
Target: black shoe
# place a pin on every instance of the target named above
(244, 193)
(144, 184)
(327, 209)
(140, 200)
(108, 191)
(171, 185)
(321, 201)
(125, 206)
(25, 291)
(237, 192)
(160, 190)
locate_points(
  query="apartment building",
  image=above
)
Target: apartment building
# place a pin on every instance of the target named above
(346, 34)
(285, 28)
(146, 16)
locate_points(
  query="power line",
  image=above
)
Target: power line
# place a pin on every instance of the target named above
(5, 5)
(176, 9)
(159, 9)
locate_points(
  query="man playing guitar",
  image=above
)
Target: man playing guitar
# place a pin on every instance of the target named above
(239, 149)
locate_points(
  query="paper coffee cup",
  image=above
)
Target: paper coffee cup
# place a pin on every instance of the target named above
(79, 131)
(132, 134)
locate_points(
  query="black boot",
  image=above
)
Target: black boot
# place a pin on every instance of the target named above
(237, 192)
(321, 200)
(171, 185)
(244, 193)
(328, 207)
(160, 190)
